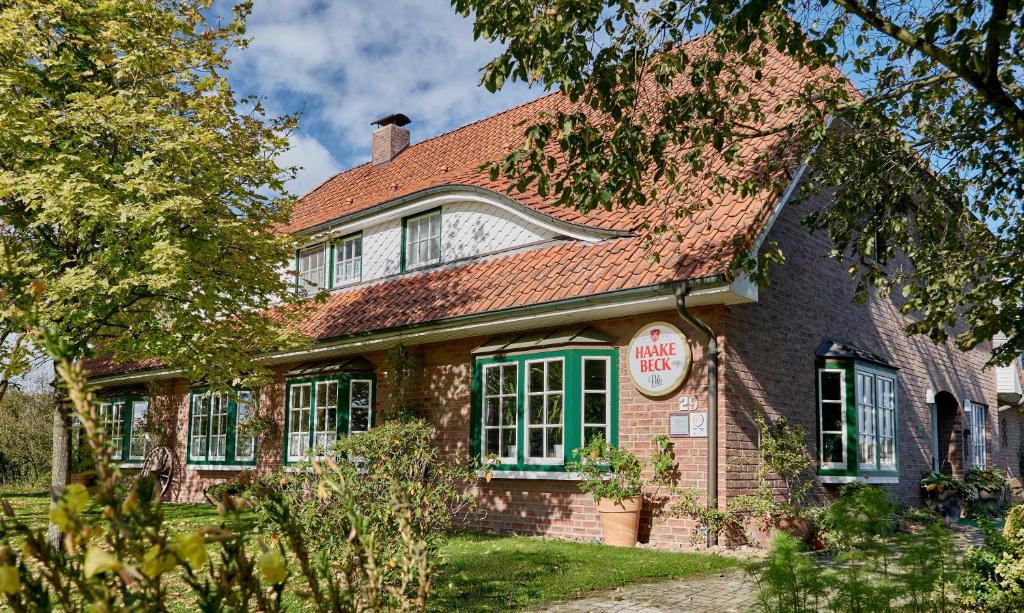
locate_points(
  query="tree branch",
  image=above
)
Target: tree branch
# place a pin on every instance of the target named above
(990, 88)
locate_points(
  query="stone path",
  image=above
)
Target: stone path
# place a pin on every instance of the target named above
(728, 592)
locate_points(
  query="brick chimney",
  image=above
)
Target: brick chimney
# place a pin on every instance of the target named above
(390, 138)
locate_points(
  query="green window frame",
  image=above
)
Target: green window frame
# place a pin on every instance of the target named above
(122, 421)
(347, 260)
(415, 242)
(532, 410)
(857, 421)
(320, 409)
(214, 420)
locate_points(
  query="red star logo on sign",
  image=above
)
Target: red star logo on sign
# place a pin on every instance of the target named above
(655, 333)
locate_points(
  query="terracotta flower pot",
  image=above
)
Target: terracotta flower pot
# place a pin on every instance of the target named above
(85, 479)
(620, 520)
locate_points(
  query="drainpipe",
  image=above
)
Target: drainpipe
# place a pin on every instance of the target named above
(681, 290)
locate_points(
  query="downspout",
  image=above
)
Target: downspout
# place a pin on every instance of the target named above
(681, 290)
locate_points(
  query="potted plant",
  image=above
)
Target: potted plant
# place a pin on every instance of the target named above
(944, 496)
(783, 451)
(613, 477)
(986, 491)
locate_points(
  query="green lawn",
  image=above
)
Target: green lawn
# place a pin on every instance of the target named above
(477, 572)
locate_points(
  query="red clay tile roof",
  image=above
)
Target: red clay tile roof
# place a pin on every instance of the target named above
(705, 246)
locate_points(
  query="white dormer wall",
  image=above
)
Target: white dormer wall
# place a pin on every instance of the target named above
(1008, 377)
(468, 229)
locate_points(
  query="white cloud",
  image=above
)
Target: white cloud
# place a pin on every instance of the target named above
(315, 160)
(347, 62)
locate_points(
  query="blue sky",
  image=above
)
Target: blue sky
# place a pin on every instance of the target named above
(344, 63)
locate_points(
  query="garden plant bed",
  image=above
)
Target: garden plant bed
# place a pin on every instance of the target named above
(478, 572)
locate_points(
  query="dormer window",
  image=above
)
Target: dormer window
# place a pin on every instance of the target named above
(312, 266)
(422, 240)
(348, 260)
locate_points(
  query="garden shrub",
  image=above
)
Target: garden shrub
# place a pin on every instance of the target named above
(396, 456)
(117, 553)
(874, 569)
(790, 580)
(26, 431)
(992, 576)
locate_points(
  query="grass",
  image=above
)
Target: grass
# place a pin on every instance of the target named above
(478, 572)
(504, 573)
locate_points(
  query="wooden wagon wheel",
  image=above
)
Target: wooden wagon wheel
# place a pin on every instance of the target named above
(162, 463)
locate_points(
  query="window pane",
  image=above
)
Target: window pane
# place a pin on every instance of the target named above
(537, 377)
(508, 443)
(536, 442)
(594, 407)
(554, 375)
(140, 440)
(830, 385)
(492, 441)
(595, 375)
(509, 379)
(831, 416)
(508, 416)
(536, 409)
(360, 407)
(492, 415)
(492, 377)
(832, 448)
(554, 445)
(554, 409)
(590, 433)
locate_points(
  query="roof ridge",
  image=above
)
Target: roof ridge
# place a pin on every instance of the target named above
(435, 137)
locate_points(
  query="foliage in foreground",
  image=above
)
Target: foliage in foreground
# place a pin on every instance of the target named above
(877, 568)
(924, 161)
(25, 430)
(394, 457)
(123, 557)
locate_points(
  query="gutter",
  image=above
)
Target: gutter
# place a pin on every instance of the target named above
(681, 290)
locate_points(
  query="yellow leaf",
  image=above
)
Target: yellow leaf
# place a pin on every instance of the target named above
(190, 547)
(156, 562)
(76, 497)
(272, 566)
(99, 561)
(10, 582)
(59, 517)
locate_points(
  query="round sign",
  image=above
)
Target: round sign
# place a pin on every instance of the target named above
(659, 358)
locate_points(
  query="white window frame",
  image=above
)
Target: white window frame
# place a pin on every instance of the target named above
(867, 417)
(501, 427)
(306, 282)
(245, 399)
(369, 405)
(202, 415)
(219, 440)
(112, 414)
(303, 446)
(583, 398)
(976, 449)
(882, 412)
(821, 429)
(138, 434)
(325, 439)
(413, 239)
(545, 426)
(348, 268)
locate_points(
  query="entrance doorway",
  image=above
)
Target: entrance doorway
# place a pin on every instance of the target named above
(945, 414)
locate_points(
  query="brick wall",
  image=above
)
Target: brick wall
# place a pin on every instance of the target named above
(770, 358)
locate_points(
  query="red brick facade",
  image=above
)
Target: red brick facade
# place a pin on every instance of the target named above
(767, 357)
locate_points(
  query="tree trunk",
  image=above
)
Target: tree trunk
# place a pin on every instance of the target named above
(61, 459)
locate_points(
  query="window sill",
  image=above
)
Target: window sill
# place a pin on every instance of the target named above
(545, 475)
(884, 479)
(132, 464)
(220, 467)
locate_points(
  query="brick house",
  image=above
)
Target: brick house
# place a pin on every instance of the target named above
(539, 327)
